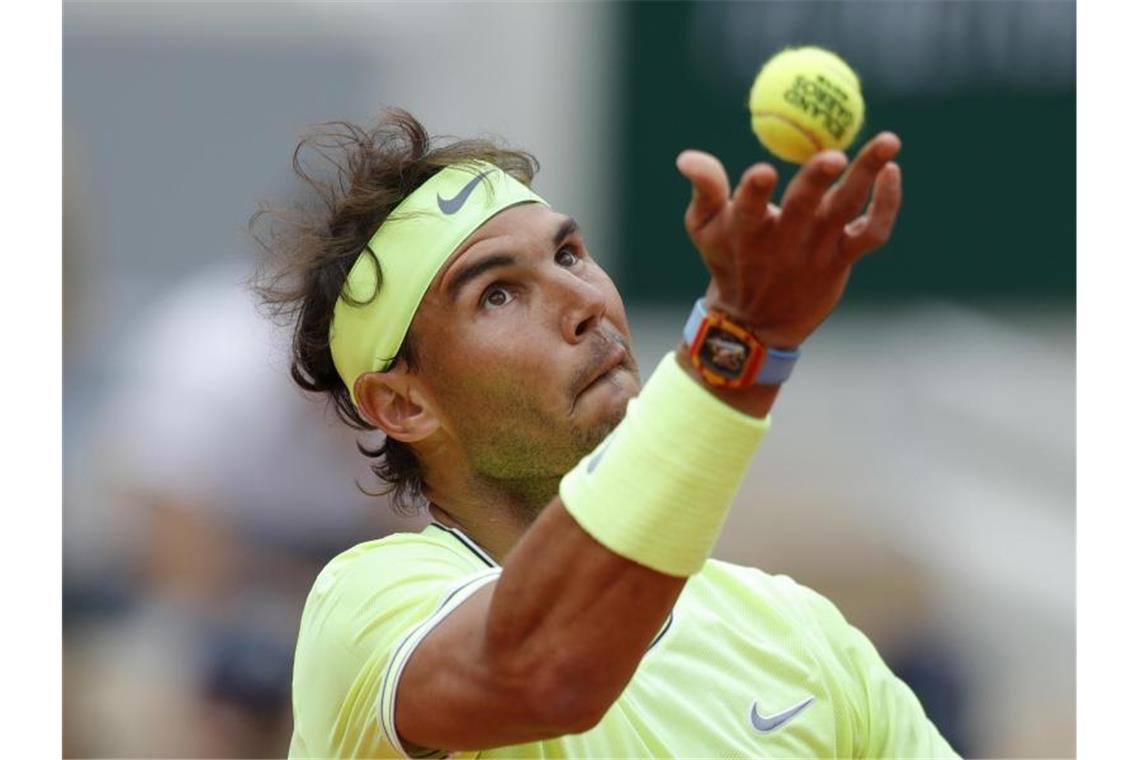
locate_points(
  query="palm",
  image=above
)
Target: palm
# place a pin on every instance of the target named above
(781, 270)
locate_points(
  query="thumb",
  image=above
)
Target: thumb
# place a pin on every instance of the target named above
(710, 187)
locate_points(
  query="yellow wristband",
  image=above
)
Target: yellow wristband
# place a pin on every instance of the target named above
(658, 488)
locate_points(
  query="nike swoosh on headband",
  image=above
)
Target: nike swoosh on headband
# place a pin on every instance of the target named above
(450, 206)
(768, 723)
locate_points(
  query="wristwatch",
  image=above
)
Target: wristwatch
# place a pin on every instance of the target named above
(729, 356)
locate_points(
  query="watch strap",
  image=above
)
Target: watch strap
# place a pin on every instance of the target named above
(778, 363)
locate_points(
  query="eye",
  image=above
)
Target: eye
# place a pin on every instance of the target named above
(496, 296)
(566, 257)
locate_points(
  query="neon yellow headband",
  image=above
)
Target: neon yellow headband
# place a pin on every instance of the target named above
(370, 322)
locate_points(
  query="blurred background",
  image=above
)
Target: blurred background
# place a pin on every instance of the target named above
(921, 469)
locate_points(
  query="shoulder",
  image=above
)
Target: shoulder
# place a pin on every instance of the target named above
(391, 571)
(378, 588)
(397, 557)
(776, 594)
(364, 605)
(798, 611)
(778, 588)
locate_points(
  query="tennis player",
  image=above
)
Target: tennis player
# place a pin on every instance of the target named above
(562, 603)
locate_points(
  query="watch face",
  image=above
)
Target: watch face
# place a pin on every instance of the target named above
(724, 352)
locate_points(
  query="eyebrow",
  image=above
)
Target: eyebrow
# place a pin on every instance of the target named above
(568, 227)
(469, 273)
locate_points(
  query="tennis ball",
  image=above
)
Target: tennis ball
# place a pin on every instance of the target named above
(805, 100)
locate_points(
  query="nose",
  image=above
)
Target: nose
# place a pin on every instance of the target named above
(584, 307)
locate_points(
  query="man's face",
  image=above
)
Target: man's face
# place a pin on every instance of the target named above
(523, 344)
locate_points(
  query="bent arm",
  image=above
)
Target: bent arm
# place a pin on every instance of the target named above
(546, 649)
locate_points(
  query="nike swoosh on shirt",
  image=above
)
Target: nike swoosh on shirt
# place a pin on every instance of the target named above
(450, 206)
(768, 723)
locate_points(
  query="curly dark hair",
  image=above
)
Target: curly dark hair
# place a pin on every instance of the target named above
(309, 249)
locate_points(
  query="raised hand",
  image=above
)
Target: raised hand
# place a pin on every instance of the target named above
(780, 270)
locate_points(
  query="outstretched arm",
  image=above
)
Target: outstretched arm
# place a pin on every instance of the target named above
(550, 646)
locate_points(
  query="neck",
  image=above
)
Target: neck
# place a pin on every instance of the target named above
(493, 512)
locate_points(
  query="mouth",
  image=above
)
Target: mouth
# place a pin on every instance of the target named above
(616, 358)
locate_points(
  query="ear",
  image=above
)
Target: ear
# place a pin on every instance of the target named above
(393, 402)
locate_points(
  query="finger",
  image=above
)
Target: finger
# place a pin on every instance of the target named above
(710, 187)
(805, 191)
(873, 229)
(750, 202)
(847, 197)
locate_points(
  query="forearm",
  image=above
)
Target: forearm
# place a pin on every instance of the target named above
(756, 400)
(576, 614)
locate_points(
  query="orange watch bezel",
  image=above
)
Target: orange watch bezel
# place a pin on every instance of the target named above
(756, 352)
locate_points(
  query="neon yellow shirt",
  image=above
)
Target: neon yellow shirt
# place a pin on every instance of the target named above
(746, 665)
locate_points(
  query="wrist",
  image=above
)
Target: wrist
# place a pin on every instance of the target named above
(755, 400)
(727, 355)
(774, 336)
(658, 488)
